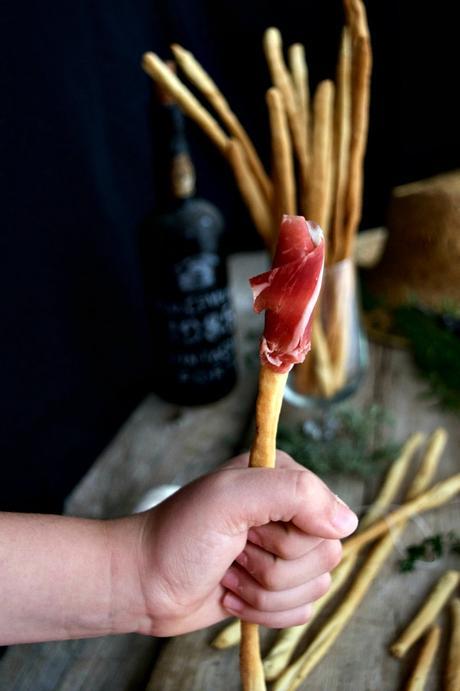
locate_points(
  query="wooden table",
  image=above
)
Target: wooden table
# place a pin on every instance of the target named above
(163, 444)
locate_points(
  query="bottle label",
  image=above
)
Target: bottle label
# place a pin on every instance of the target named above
(197, 272)
(198, 332)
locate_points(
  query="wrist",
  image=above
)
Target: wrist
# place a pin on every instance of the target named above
(128, 611)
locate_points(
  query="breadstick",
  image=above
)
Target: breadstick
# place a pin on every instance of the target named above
(299, 72)
(201, 79)
(361, 73)
(251, 192)
(320, 189)
(282, 162)
(299, 670)
(251, 670)
(339, 315)
(281, 78)
(453, 661)
(268, 407)
(393, 480)
(321, 359)
(229, 636)
(435, 446)
(342, 134)
(356, 17)
(438, 495)
(427, 614)
(262, 455)
(160, 73)
(422, 667)
(318, 209)
(279, 656)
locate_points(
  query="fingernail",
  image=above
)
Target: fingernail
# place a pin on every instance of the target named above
(232, 603)
(343, 517)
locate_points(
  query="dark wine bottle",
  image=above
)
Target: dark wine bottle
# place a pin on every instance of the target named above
(188, 293)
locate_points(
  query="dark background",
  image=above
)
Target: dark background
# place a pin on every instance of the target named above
(77, 146)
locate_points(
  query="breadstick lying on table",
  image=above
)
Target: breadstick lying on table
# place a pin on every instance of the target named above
(423, 665)
(294, 675)
(452, 681)
(288, 293)
(229, 636)
(435, 446)
(393, 480)
(279, 656)
(427, 614)
(438, 495)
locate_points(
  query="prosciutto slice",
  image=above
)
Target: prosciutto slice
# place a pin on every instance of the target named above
(288, 293)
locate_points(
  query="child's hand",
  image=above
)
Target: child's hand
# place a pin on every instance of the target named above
(257, 543)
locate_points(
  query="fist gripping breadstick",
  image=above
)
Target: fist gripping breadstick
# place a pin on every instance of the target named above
(288, 293)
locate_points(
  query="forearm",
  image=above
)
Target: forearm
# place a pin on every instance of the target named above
(63, 577)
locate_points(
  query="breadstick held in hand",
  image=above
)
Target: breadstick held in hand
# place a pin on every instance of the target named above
(288, 293)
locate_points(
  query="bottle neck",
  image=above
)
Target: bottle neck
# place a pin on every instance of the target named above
(181, 177)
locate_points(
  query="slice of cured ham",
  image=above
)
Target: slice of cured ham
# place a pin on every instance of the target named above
(288, 293)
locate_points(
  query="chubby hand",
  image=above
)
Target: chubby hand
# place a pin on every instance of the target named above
(256, 543)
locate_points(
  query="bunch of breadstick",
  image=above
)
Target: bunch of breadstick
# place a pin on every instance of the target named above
(384, 533)
(317, 146)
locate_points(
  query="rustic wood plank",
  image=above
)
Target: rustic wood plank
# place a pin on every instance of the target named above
(112, 663)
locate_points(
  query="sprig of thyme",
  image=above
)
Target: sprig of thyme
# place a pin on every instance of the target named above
(340, 442)
(430, 549)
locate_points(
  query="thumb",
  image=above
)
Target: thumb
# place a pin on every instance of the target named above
(256, 496)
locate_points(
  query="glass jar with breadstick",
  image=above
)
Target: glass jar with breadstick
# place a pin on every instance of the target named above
(318, 146)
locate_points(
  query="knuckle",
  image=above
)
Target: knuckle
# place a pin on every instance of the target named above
(284, 548)
(259, 600)
(332, 554)
(301, 616)
(302, 484)
(269, 579)
(323, 585)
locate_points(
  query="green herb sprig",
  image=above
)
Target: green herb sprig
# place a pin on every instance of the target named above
(436, 352)
(430, 549)
(340, 442)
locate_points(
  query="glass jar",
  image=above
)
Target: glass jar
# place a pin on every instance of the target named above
(334, 368)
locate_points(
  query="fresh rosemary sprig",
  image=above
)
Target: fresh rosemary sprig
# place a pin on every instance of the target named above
(430, 549)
